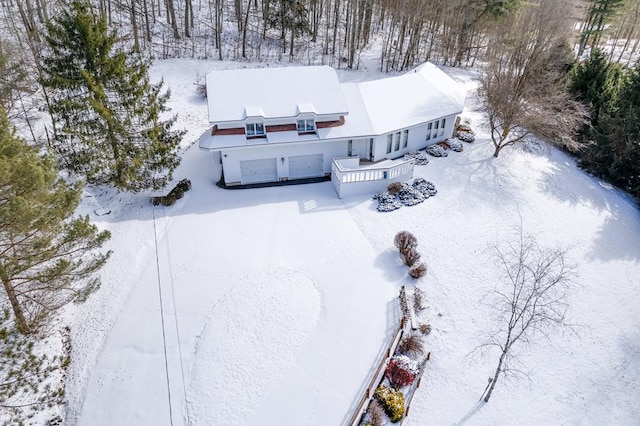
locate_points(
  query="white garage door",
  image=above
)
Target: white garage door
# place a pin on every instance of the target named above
(255, 171)
(304, 166)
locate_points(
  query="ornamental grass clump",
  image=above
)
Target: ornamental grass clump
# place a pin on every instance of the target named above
(392, 401)
(411, 346)
(375, 415)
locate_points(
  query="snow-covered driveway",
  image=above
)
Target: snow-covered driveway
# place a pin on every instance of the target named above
(280, 311)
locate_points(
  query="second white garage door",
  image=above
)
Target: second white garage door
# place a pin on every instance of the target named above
(304, 166)
(255, 171)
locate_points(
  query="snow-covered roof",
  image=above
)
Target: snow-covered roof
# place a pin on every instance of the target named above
(421, 95)
(374, 107)
(234, 95)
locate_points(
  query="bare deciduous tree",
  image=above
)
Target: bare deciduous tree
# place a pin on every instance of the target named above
(530, 300)
(523, 89)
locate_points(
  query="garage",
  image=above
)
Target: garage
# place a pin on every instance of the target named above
(304, 166)
(255, 171)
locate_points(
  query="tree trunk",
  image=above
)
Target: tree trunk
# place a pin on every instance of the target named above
(134, 27)
(188, 22)
(172, 17)
(244, 30)
(495, 376)
(21, 322)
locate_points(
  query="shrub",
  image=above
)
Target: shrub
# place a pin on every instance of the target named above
(425, 329)
(420, 158)
(411, 346)
(410, 196)
(394, 188)
(410, 258)
(455, 145)
(418, 299)
(175, 194)
(405, 241)
(407, 363)
(387, 202)
(466, 136)
(375, 415)
(436, 150)
(392, 401)
(418, 271)
(398, 375)
(427, 188)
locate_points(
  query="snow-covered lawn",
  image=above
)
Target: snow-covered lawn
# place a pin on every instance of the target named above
(282, 298)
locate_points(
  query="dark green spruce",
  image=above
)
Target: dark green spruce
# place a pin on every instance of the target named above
(612, 137)
(107, 113)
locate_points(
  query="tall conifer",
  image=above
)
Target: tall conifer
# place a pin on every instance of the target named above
(107, 112)
(47, 257)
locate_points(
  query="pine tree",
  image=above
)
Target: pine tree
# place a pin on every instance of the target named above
(47, 257)
(106, 110)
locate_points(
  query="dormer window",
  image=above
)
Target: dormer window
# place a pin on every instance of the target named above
(254, 129)
(306, 126)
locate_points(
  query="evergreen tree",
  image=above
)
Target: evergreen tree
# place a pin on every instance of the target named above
(612, 139)
(291, 15)
(47, 257)
(597, 83)
(106, 110)
(618, 139)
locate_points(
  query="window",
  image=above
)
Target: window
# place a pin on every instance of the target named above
(397, 145)
(442, 127)
(255, 129)
(389, 142)
(349, 148)
(405, 138)
(429, 127)
(435, 129)
(306, 126)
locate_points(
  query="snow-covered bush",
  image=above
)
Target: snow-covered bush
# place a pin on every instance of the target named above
(394, 188)
(375, 415)
(410, 258)
(398, 375)
(411, 346)
(418, 271)
(425, 187)
(421, 158)
(405, 241)
(409, 196)
(466, 136)
(387, 202)
(407, 363)
(455, 145)
(436, 150)
(392, 401)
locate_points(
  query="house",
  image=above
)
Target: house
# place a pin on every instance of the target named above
(277, 124)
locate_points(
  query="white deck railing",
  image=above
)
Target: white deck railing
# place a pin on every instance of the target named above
(351, 178)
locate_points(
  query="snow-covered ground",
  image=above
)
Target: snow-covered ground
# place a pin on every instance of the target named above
(282, 298)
